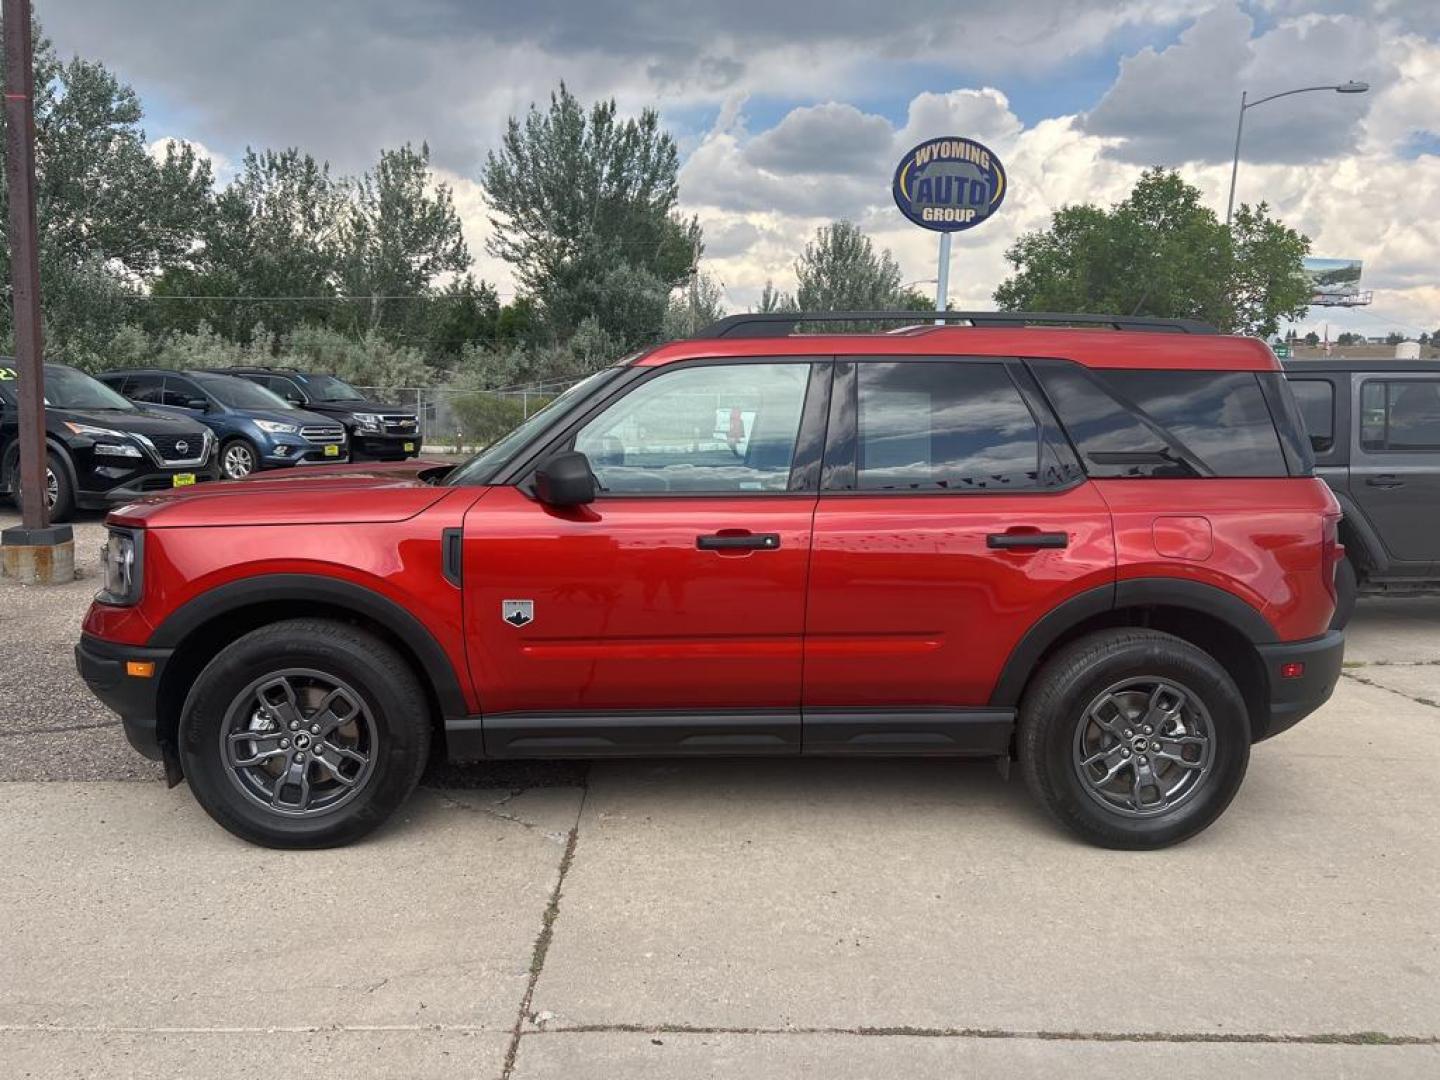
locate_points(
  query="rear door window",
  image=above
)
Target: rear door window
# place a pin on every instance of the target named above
(1400, 415)
(1152, 423)
(939, 425)
(147, 389)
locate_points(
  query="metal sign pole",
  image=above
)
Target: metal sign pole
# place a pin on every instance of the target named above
(24, 262)
(942, 278)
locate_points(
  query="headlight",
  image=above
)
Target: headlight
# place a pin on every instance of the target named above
(122, 569)
(118, 449)
(368, 421)
(93, 431)
(274, 427)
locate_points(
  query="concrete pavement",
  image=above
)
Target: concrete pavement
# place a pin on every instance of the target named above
(728, 919)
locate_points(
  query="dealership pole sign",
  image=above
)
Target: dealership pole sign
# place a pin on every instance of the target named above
(949, 184)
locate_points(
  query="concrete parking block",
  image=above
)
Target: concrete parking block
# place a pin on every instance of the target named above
(124, 906)
(931, 894)
(840, 1056)
(250, 1055)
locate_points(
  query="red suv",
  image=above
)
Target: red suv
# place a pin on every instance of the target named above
(1094, 549)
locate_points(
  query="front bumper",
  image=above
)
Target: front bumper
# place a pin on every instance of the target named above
(136, 486)
(1295, 697)
(284, 452)
(384, 447)
(135, 699)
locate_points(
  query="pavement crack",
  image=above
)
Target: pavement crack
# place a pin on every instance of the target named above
(542, 942)
(1330, 1038)
(1400, 693)
(492, 810)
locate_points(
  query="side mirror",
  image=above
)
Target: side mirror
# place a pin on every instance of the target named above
(197, 403)
(565, 480)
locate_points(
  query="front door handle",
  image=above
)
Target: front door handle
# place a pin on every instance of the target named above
(1385, 482)
(738, 541)
(1011, 541)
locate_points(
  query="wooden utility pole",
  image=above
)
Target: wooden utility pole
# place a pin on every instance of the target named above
(34, 552)
(25, 259)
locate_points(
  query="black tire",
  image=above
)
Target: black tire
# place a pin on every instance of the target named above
(237, 449)
(1056, 707)
(62, 509)
(391, 706)
(1347, 588)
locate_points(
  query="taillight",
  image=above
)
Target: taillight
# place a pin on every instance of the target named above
(1331, 552)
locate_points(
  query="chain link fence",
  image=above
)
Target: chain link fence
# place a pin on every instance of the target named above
(457, 420)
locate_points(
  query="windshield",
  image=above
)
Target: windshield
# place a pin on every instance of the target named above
(66, 388)
(238, 393)
(329, 388)
(480, 468)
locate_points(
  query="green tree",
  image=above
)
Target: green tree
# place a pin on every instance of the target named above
(1161, 252)
(840, 270)
(585, 212)
(695, 307)
(772, 300)
(1312, 338)
(399, 233)
(1348, 338)
(110, 215)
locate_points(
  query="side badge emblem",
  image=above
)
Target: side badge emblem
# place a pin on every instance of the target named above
(517, 612)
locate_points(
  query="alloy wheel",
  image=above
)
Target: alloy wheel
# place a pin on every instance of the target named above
(1144, 746)
(299, 742)
(238, 461)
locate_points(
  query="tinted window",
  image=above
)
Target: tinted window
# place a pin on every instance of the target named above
(1316, 399)
(717, 428)
(1165, 423)
(938, 425)
(181, 392)
(241, 393)
(1400, 414)
(329, 388)
(149, 389)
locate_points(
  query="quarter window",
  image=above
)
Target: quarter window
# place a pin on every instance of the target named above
(1400, 414)
(939, 425)
(704, 428)
(1316, 398)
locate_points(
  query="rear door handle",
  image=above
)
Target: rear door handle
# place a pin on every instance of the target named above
(1009, 541)
(738, 542)
(1384, 482)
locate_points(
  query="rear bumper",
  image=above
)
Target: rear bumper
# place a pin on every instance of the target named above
(1293, 699)
(136, 700)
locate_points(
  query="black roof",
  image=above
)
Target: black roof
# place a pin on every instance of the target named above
(1385, 364)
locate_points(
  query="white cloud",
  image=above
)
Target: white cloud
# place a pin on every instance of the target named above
(221, 167)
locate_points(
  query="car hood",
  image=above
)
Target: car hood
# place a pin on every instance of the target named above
(314, 495)
(295, 417)
(136, 422)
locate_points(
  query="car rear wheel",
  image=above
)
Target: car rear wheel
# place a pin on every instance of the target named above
(238, 459)
(1133, 738)
(303, 734)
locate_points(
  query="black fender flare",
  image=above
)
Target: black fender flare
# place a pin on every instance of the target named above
(270, 588)
(1133, 592)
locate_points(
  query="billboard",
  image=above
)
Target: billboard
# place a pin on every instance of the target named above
(1335, 282)
(949, 184)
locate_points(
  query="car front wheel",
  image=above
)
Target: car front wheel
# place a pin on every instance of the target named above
(238, 459)
(1134, 738)
(303, 734)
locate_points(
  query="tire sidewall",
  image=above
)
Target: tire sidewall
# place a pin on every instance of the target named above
(1154, 658)
(245, 445)
(401, 743)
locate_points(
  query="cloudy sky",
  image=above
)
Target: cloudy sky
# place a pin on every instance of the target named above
(792, 113)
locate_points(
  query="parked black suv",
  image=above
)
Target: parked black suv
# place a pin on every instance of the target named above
(1375, 427)
(104, 450)
(384, 432)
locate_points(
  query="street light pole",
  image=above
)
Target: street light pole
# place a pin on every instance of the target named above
(1351, 87)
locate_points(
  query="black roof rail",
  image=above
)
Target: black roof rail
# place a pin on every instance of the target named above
(782, 324)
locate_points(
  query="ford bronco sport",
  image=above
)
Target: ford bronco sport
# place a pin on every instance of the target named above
(1097, 549)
